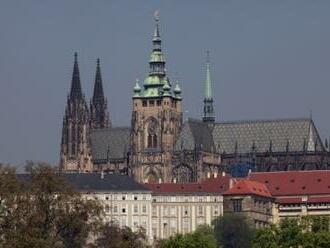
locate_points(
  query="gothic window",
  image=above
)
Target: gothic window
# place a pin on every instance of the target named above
(183, 174)
(152, 141)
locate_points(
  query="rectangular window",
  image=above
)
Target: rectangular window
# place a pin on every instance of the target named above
(159, 102)
(124, 210)
(136, 209)
(154, 210)
(152, 103)
(115, 209)
(144, 209)
(200, 210)
(237, 205)
(123, 197)
(144, 103)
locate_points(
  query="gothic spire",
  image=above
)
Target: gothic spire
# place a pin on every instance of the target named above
(157, 62)
(98, 95)
(75, 91)
(208, 98)
(99, 115)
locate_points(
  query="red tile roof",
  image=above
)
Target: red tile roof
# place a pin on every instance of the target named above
(289, 200)
(294, 183)
(319, 199)
(292, 200)
(248, 187)
(211, 185)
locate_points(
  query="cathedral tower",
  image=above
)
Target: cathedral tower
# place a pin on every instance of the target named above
(208, 115)
(99, 116)
(75, 146)
(156, 119)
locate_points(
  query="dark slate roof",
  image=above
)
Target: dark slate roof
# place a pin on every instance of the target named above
(263, 134)
(112, 143)
(195, 133)
(110, 182)
(94, 182)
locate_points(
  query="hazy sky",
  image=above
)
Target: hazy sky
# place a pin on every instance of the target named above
(270, 59)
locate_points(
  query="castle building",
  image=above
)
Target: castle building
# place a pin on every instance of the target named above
(159, 147)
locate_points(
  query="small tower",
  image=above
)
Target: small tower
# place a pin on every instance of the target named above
(208, 115)
(156, 119)
(75, 146)
(99, 115)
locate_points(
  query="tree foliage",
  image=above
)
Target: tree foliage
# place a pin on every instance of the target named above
(307, 232)
(42, 210)
(203, 237)
(233, 231)
(113, 236)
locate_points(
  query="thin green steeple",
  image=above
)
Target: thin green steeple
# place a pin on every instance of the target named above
(208, 115)
(208, 86)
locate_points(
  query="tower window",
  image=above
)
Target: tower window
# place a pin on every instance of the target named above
(152, 103)
(159, 102)
(144, 103)
(151, 135)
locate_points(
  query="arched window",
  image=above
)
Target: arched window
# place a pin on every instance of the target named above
(151, 135)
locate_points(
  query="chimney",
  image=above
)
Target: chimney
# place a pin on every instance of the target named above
(223, 173)
(231, 182)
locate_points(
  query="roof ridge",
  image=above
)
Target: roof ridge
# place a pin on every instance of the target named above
(265, 120)
(293, 171)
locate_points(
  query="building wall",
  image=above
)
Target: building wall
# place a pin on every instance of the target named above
(132, 209)
(297, 210)
(178, 213)
(257, 209)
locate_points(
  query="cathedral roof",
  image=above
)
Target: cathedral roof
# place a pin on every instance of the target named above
(110, 144)
(278, 135)
(195, 134)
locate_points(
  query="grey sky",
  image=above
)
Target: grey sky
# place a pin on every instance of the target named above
(270, 59)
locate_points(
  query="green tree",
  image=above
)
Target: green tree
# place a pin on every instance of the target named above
(202, 237)
(45, 211)
(290, 233)
(266, 238)
(113, 236)
(233, 231)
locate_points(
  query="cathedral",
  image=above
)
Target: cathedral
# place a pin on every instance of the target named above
(160, 147)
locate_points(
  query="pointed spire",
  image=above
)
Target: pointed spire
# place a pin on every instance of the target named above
(208, 99)
(157, 62)
(75, 91)
(156, 39)
(208, 87)
(98, 94)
